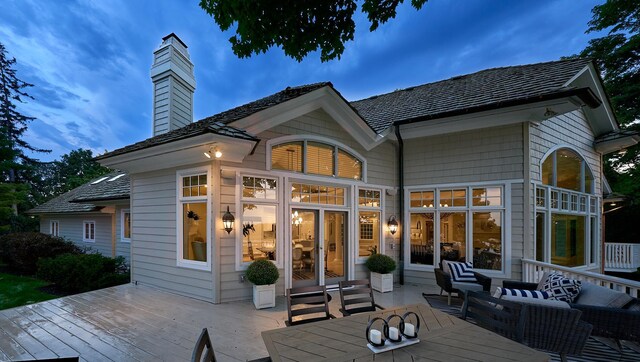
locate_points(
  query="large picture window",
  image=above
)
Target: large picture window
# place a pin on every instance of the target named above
(468, 228)
(194, 219)
(317, 158)
(567, 222)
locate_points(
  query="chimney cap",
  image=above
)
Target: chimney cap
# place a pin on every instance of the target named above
(177, 38)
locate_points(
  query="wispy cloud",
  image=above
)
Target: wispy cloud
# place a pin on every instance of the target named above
(89, 59)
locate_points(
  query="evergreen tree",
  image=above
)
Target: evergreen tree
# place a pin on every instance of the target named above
(15, 164)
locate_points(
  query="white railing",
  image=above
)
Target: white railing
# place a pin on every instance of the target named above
(621, 257)
(532, 272)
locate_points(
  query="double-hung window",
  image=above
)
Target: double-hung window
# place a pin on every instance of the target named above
(194, 225)
(89, 231)
(259, 219)
(369, 221)
(54, 228)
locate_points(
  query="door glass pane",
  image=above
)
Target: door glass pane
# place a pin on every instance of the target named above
(453, 236)
(594, 240)
(567, 240)
(487, 240)
(334, 246)
(422, 231)
(303, 252)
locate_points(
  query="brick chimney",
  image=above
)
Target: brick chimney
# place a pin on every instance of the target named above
(173, 85)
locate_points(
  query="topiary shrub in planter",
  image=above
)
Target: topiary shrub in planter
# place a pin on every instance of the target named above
(263, 274)
(381, 266)
(21, 251)
(82, 272)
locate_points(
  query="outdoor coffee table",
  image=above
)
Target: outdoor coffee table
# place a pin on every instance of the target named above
(442, 338)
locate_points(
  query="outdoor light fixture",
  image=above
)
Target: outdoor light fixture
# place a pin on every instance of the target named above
(213, 151)
(227, 221)
(393, 225)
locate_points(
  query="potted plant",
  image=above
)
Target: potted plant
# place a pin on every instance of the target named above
(263, 274)
(381, 267)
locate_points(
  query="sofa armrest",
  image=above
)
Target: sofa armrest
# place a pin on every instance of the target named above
(609, 322)
(515, 284)
(483, 280)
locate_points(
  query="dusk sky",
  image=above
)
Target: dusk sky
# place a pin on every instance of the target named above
(89, 61)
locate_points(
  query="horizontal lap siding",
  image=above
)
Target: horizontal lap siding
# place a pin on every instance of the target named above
(491, 154)
(382, 170)
(72, 228)
(153, 249)
(567, 129)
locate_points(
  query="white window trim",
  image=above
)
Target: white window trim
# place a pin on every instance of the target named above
(383, 222)
(504, 209)
(180, 261)
(84, 226)
(122, 237)
(320, 139)
(57, 223)
(280, 255)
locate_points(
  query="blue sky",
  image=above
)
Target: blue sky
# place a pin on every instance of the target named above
(90, 59)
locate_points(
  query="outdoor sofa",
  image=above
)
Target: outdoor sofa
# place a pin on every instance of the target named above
(613, 314)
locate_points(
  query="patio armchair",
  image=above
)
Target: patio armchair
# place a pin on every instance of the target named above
(203, 351)
(356, 296)
(445, 282)
(503, 317)
(615, 323)
(311, 303)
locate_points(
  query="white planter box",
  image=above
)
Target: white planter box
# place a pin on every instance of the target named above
(382, 282)
(264, 296)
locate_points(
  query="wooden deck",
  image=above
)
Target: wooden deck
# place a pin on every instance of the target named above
(128, 323)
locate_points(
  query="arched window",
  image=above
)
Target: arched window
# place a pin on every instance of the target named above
(565, 169)
(567, 211)
(317, 158)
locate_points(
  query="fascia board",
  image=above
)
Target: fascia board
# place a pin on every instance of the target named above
(324, 98)
(602, 118)
(179, 153)
(499, 117)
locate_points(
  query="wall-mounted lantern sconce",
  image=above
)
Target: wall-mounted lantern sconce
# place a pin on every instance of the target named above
(213, 151)
(392, 225)
(228, 220)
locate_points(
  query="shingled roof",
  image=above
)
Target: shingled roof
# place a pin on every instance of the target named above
(466, 93)
(218, 123)
(112, 186)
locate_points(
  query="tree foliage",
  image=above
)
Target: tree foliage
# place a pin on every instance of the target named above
(298, 27)
(617, 55)
(15, 164)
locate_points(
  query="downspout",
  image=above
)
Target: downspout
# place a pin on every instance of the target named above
(401, 193)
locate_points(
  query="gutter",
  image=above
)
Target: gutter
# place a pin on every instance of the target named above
(401, 192)
(585, 94)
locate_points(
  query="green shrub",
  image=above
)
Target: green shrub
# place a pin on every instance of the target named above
(380, 263)
(262, 272)
(21, 251)
(81, 272)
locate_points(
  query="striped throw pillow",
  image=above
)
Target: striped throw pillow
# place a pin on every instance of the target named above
(536, 294)
(462, 272)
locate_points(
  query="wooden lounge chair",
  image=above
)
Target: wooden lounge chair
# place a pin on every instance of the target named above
(306, 301)
(203, 352)
(356, 296)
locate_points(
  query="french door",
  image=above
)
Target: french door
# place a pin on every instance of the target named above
(319, 247)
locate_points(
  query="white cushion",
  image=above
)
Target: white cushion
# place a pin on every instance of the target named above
(445, 267)
(466, 286)
(537, 301)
